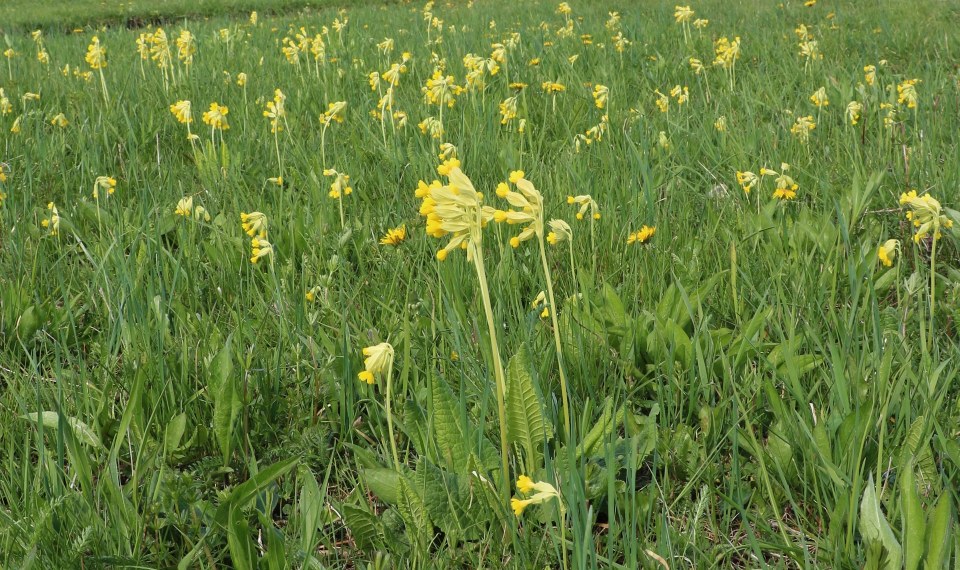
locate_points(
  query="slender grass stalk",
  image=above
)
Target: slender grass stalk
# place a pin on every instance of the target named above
(556, 338)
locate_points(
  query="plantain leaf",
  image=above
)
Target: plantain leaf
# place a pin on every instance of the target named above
(525, 420)
(939, 532)
(914, 525)
(448, 432)
(875, 529)
(226, 398)
(81, 430)
(365, 528)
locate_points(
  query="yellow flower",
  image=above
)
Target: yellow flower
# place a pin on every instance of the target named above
(5, 107)
(643, 235)
(334, 112)
(378, 360)
(52, 223)
(585, 202)
(441, 89)
(395, 236)
(182, 111)
(543, 492)
(887, 252)
(926, 214)
(700, 23)
(9, 53)
(59, 120)
(216, 117)
(96, 54)
(747, 180)
(260, 248)
(455, 209)
(431, 126)
(854, 108)
(539, 304)
(801, 129)
(786, 187)
(530, 204)
(870, 74)
(275, 111)
(242, 79)
(663, 102)
(341, 183)
(682, 14)
(721, 123)
(727, 52)
(16, 125)
(560, 231)
(186, 47)
(254, 223)
(107, 183)
(810, 50)
(552, 87)
(184, 207)
(696, 65)
(819, 97)
(600, 94)
(907, 93)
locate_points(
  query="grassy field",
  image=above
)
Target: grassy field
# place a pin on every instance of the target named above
(689, 316)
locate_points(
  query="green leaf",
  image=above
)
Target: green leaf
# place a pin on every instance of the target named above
(226, 398)
(246, 491)
(525, 419)
(310, 508)
(447, 431)
(914, 525)
(875, 529)
(174, 433)
(242, 550)
(82, 432)
(385, 484)
(414, 512)
(939, 533)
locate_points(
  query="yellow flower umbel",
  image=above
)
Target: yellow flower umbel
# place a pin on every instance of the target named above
(216, 117)
(107, 183)
(854, 108)
(551, 88)
(394, 236)
(926, 214)
(334, 113)
(560, 232)
(181, 110)
(254, 223)
(441, 90)
(542, 492)
(786, 188)
(586, 203)
(530, 204)
(801, 129)
(819, 98)
(341, 184)
(52, 222)
(600, 95)
(907, 93)
(887, 252)
(540, 304)
(259, 249)
(454, 209)
(642, 236)
(870, 74)
(97, 58)
(275, 111)
(59, 120)
(186, 209)
(747, 180)
(377, 359)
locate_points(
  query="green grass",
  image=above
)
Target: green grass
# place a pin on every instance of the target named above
(751, 388)
(28, 15)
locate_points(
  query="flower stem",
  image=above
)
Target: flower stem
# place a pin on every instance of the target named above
(393, 440)
(497, 367)
(933, 281)
(556, 339)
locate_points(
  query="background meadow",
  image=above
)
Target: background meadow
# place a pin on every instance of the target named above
(750, 386)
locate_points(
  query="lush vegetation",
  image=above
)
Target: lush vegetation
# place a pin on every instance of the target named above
(683, 294)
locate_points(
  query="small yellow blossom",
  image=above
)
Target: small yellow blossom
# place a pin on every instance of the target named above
(395, 236)
(887, 252)
(643, 235)
(378, 359)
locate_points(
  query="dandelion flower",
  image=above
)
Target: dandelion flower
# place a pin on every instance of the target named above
(394, 236)
(643, 235)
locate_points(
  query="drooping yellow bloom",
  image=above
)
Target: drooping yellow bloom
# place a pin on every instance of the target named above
(52, 222)
(727, 52)
(586, 203)
(543, 492)
(335, 112)
(801, 129)
(870, 74)
(819, 97)
(810, 50)
(540, 304)
(441, 89)
(96, 54)
(560, 231)
(241, 79)
(447, 151)
(662, 102)
(184, 207)
(254, 223)
(275, 111)
(926, 214)
(696, 65)
(5, 107)
(552, 87)
(907, 93)
(107, 183)
(643, 235)
(394, 236)
(431, 126)
(887, 252)
(682, 14)
(259, 249)
(508, 110)
(786, 188)
(529, 202)
(378, 359)
(854, 108)
(721, 123)
(341, 184)
(186, 47)
(182, 111)
(600, 95)
(454, 209)
(747, 180)
(216, 117)
(59, 120)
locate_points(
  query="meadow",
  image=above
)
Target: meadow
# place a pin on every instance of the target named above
(480, 284)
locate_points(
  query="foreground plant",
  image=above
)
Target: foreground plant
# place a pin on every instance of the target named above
(928, 218)
(378, 361)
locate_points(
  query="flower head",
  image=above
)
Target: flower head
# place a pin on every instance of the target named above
(52, 221)
(377, 360)
(107, 183)
(887, 252)
(454, 209)
(642, 236)
(907, 93)
(529, 204)
(542, 490)
(254, 223)
(216, 117)
(801, 129)
(560, 231)
(819, 97)
(259, 249)
(341, 183)
(96, 54)
(682, 14)
(926, 214)
(854, 108)
(394, 236)
(181, 110)
(586, 202)
(334, 112)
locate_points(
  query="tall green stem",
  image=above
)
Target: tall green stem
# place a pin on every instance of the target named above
(393, 440)
(477, 255)
(933, 281)
(556, 339)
